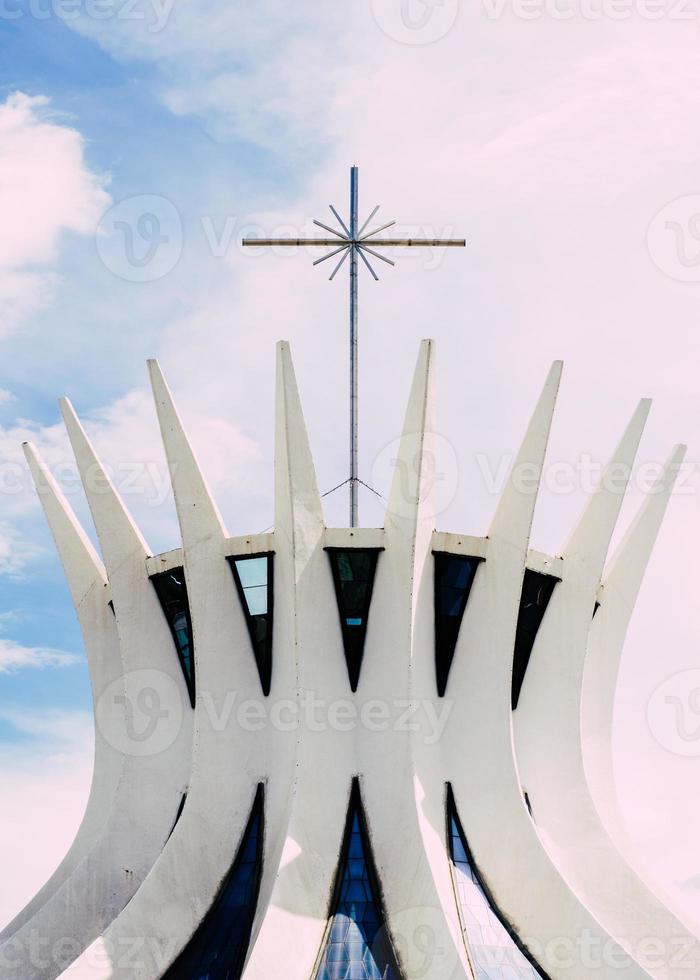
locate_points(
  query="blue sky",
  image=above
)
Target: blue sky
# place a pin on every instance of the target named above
(551, 144)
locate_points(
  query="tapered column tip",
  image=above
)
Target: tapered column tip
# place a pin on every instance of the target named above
(66, 406)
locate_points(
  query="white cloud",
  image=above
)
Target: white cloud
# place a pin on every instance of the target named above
(46, 189)
(237, 67)
(127, 439)
(16, 551)
(6, 396)
(50, 758)
(15, 656)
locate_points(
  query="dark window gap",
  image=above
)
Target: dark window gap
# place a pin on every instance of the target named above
(353, 571)
(171, 590)
(254, 578)
(218, 949)
(357, 932)
(454, 576)
(534, 598)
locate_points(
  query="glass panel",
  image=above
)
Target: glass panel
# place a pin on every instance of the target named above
(493, 951)
(218, 949)
(534, 599)
(353, 576)
(254, 578)
(172, 592)
(253, 575)
(253, 571)
(454, 577)
(357, 947)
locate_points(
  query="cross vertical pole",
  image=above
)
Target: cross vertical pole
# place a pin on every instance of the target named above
(353, 349)
(354, 242)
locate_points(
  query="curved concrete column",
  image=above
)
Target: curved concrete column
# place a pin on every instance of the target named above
(87, 582)
(147, 718)
(310, 736)
(548, 740)
(231, 757)
(294, 915)
(188, 874)
(557, 929)
(402, 791)
(618, 596)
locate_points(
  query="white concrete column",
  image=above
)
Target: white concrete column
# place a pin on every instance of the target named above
(87, 581)
(524, 884)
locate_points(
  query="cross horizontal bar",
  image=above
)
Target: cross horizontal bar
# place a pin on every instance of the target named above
(419, 242)
(323, 242)
(386, 242)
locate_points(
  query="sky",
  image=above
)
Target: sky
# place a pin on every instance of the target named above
(139, 142)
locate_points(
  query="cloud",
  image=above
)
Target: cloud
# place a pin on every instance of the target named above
(46, 190)
(237, 67)
(6, 396)
(16, 551)
(15, 656)
(126, 437)
(50, 758)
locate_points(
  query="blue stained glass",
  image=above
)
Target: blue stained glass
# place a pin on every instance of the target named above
(493, 951)
(171, 589)
(218, 949)
(357, 947)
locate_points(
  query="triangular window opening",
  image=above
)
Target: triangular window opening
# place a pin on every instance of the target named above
(353, 577)
(493, 950)
(357, 945)
(454, 577)
(536, 592)
(254, 577)
(218, 949)
(171, 590)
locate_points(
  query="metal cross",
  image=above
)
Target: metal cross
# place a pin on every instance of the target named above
(355, 242)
